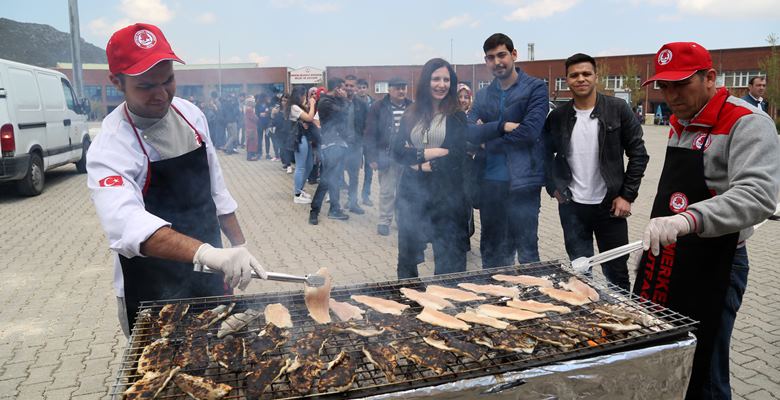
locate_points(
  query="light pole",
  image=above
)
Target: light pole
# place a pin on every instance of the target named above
(75, 48)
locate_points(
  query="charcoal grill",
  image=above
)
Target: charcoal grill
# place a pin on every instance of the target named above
(370, 380)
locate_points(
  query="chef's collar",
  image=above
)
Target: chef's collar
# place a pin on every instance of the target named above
(144, 122)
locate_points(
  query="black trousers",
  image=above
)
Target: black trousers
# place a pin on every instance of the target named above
(510, 224)
(580, 222)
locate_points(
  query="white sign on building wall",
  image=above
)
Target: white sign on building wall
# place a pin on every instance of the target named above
(306, 75)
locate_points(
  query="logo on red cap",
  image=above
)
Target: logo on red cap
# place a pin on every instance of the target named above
(664, 57)
(145, 39)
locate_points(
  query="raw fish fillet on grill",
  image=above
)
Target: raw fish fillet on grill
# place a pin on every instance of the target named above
(565, 296)
(150, 386)
(201, 388)
(170, 315)
(507, 312)
(345, 311)
(493, 290)
(316, 298)
(237, 321)
(441, 319)
(193, 352)
(156, 356)
(426, 299)
(229, 353)
(360, 329)
(425, 355)
(577, 286)
(452, 293)
(535, 306)
(339, 374)
(382, 305)
(383, 357)
(448, 342)
(278, 315)
(471, 315)
(525, 280)
(269, 339)
(511, 340)
(209, 317)
(265, 373)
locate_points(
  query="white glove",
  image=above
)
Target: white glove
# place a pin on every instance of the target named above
(663, 231)
(236, 263)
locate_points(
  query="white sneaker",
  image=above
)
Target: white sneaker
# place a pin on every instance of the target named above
(327, 198)
(289, 170)
(304, 194)
(300, 199)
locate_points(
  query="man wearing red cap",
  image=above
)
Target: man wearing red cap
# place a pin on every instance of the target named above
(157, 185)
(721, 176)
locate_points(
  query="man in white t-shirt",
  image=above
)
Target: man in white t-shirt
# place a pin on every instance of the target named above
(587, 138)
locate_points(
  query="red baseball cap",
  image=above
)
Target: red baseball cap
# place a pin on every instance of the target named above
(137, 48)
(679, 60)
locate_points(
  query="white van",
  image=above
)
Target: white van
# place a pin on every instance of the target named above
(42, 125)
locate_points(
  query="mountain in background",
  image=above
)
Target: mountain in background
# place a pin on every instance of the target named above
(42, 45)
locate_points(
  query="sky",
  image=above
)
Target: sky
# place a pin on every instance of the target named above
(297, 33)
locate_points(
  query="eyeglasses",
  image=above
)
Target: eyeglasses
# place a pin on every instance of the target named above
(493, 57)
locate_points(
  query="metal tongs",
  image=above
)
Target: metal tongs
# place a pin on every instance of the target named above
(583, 264)
(309, 280)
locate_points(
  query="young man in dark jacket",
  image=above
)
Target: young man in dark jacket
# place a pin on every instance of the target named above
(507, 119)
(587, 138)
(382, 123)
(355, 126)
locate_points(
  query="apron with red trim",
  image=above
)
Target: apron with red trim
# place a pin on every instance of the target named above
(692, 275)
(177, 190)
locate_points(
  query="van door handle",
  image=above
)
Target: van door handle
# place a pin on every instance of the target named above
(66, 122)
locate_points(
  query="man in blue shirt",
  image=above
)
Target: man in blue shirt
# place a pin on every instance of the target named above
(506, 120)
(756, 91)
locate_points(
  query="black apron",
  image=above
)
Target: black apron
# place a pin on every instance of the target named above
(692, 275)
(177, 190)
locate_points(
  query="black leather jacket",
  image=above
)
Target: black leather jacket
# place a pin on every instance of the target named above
(619, 133)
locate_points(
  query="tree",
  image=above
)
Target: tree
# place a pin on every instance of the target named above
(602, 70)
(771, 65)
(632, 82)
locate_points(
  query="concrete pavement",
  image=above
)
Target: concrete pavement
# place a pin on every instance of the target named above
(59, 336)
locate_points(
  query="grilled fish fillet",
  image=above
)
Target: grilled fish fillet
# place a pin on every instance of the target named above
(426, 299)
(339, 374)
(170, 315)
(302, 378)
(512, 340)
(452, 293)
(535, 306)
(424, 355)
(551, 336)
(439, 318)
(156, 356)
(470, 315)
(493, 290)
(507, 312)
(383, 357)
(278, 315)
(619, 327)
(577, 286)
(265, 373)
(381, 305)
(307, 348)
(194, 351)
(316, 298)
(584, 326)
(565, 296)
(150, 386)
(269, 339)
(236, 322)
(201, 388)
(364, 330)
(457, 346)
(525, 280)
(209, 317)
(345, 311)
(229, 353)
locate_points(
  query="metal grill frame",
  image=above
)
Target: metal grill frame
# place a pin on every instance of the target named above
(369, 380)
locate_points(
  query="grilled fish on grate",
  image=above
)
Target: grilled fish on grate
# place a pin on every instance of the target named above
(157, 356)
(566, 296)
(577, 286)
(424, 355)
(229, 353)
(441, 319)
(194, 352)
(535, 306)
(493, 290)
(447, 342)
(471, 315)
(339, 374)
(397, 324)
(308, 347)
(383, 357)
(360, 329)
(170, 315)
(525, 280)
(266, 372)
(302, 377)
(345, 311)
(513, 314)
(452, 293)
(150, 385)
(512, 340)
(382, 305)
(278, 315)
(237, 321)
(209, 317)
(201, 388)
(551, 336)
(583, 326)
(426, 299)
(269, 339)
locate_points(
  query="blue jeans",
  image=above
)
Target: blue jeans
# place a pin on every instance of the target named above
(332, 170)
(510, 224)
(718, 386)
(303, 164)
(353, 160)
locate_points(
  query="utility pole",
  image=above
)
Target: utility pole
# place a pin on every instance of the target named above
(75, 48)
(219, 67)
(530, 52)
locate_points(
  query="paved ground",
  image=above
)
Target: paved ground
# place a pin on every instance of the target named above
(59, 335)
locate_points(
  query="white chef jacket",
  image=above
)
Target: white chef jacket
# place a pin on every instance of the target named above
(116, 152)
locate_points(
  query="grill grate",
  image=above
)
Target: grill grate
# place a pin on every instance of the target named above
(371, 381)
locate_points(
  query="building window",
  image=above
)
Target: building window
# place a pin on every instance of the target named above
(484, 84)
(560, 84)
(113, 95)
(187, 91)
(739, 79)
(617, 82)
(227, 89)
(380, 87)
(93, 92)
